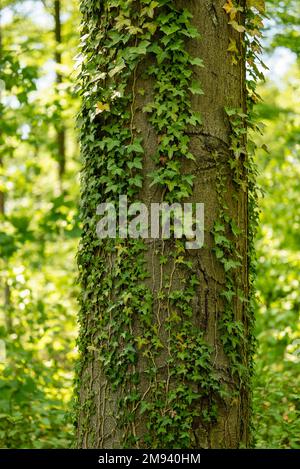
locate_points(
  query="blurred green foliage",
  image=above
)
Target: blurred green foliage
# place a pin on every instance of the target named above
(39, 232)
(38, 226)
(285, 22)
(277, 383)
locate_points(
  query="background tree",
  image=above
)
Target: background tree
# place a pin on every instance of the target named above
(61, 134)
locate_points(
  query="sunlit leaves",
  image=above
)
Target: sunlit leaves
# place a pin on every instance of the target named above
(232, 9)
(258, 4)
(232, 46)
(238, 27)
(100, 107)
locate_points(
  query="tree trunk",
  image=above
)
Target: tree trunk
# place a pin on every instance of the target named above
(165, 337)
(60, 129)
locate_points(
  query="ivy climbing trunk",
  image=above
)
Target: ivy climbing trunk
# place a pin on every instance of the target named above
(165, 337)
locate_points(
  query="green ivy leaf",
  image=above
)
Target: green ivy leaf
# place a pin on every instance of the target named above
(135, 147)
(195, 88)
(197, 61)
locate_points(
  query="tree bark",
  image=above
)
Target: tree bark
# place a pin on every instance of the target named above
(223, 84)
(60, 130)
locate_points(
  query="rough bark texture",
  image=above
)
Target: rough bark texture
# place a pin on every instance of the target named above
(223, 86)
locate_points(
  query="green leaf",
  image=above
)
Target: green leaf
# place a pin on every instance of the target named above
(116, 69)
(230, 112)
(219, 226)
(195, 88)
(136, 147)
(136, 181)
(136, 163)
(231, 264)
(197, 61)
(170, 29)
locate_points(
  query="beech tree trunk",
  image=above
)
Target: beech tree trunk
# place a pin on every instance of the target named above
(60, 129)
(218, 414)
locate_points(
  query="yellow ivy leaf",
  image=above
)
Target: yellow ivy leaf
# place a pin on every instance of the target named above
(255, 32)
(151, 27)
(121, 21)
(238, 27)
(134, 29)
(233, 13)
(258, 4)
(92, 348)
(231, 10)
(232, 46)
(141, 341)
(228, 6)
(100, 107)
(234, 60)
